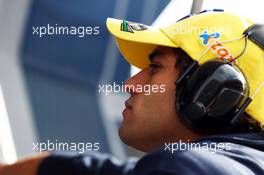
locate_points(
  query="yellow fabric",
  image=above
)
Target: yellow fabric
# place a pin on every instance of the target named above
(137, 45)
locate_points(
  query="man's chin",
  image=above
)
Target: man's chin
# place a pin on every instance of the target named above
(125, 135)
(122, 132)
(130, 138)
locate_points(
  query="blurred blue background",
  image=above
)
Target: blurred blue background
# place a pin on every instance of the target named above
(62, 72)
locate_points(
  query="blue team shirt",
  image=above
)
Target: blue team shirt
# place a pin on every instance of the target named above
(244, 156)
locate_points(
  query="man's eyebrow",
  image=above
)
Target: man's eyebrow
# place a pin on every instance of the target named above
(154, 54)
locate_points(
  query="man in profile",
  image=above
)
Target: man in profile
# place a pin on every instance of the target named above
(213, 97)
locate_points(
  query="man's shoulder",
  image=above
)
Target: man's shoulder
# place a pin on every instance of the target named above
(189, 162)
(207, 156)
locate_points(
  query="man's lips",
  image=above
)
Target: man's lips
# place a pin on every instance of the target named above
(128, 104)
(128, 107)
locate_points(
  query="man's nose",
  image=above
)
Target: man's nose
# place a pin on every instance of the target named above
(133, 83)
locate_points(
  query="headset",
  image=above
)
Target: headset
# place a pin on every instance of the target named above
(211, 97)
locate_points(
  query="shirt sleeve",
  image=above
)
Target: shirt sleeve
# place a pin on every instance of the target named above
(157, 163)
(88, 164)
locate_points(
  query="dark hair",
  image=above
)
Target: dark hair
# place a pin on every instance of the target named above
(246, 124)
(183, 60)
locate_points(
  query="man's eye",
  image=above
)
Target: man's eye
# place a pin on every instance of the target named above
(153, 67)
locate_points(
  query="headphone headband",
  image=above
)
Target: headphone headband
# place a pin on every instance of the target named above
(256, 34)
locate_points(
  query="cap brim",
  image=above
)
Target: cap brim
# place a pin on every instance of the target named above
(137, 42)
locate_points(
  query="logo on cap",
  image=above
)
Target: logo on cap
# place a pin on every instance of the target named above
(127, 26)
(206, 37)
(212, 41)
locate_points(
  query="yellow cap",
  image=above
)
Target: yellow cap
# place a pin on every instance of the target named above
(195, 36)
